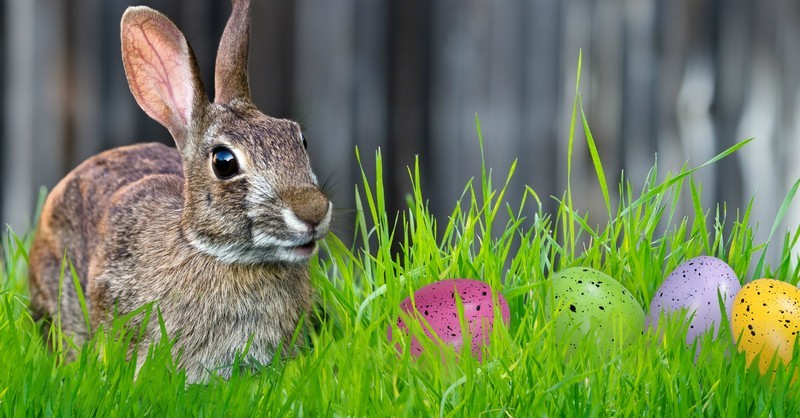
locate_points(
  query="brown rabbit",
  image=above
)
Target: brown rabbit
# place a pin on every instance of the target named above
(217, 232)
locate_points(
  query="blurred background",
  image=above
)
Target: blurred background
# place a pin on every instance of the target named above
(680, 79)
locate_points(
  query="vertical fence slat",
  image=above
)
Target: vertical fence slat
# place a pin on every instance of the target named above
(33, 105)
(575, 33)
(371, 100)
(324, 85)
(543, 78)
(271, 56)
(84, 57)
(638, 69)
(120, 127)
(407, 95)
(501, 106)
(788, 39)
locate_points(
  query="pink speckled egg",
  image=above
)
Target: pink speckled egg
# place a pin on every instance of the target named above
(693, 286)
(436, 304)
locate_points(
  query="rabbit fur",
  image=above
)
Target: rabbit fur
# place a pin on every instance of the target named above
(223, 259)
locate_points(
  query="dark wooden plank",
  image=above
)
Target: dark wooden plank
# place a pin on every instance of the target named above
(409, 34)
(500, 105)
(33, 102)
(576, 35)
(84, 58)
(372, 103)
(541, 122)
(272, 48)
(786, 47)
(324, 87)
(639, 71)
(604, 93)
(733, 52)
(458, 80)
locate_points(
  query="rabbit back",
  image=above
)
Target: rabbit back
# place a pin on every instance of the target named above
(73, 223)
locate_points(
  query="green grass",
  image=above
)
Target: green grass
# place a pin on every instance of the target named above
(346, 366)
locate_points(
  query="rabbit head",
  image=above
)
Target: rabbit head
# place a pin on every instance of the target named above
(250, 195)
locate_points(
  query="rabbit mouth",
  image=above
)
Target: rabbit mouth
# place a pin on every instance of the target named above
(305, 250)
(310, 245)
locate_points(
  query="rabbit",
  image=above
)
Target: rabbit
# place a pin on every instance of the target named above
(216, 232)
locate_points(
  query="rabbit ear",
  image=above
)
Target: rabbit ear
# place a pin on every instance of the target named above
(230, 76)
(162, 71)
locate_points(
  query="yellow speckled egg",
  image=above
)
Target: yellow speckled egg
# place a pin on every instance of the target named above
(766, 316)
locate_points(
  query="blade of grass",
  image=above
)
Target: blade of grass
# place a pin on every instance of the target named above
(778, 219)
(598, 165)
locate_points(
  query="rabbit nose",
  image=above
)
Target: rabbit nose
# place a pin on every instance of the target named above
(309, 205)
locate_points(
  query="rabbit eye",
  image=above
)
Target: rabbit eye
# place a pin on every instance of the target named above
(305, 143)
(224, 163)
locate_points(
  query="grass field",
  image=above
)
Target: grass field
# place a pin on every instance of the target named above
(345, 365)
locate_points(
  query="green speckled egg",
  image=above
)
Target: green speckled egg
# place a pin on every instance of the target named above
(583, 298)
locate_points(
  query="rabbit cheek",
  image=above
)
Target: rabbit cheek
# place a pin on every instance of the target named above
(213, 221)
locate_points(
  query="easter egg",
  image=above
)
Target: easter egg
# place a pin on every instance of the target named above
(693, 286)
(435, 307)
(583, 299)
(766, 320)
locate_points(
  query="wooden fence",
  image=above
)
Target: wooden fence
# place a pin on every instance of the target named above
(681, 78)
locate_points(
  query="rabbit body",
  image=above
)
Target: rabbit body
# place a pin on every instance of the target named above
(223, 256)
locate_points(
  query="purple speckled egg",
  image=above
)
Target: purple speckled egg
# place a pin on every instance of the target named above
(693, 286)
(436, 304)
